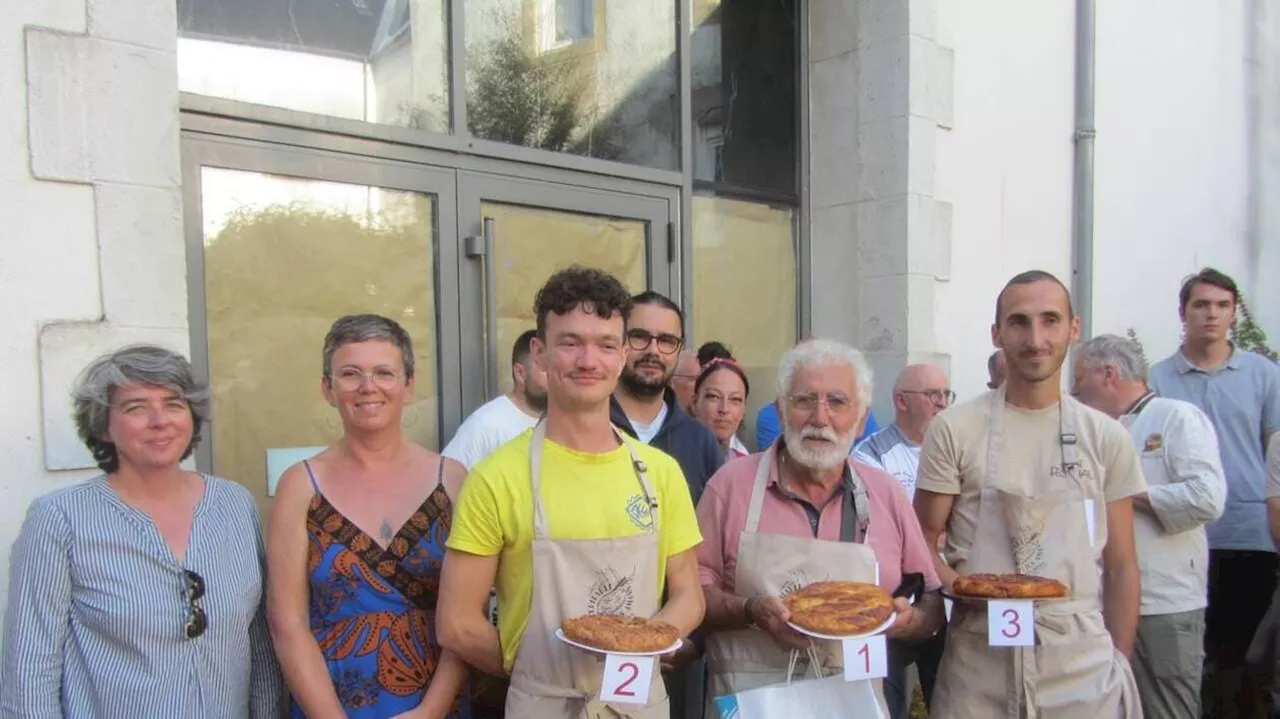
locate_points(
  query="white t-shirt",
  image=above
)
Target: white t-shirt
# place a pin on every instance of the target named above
(646, 431)
(495, 423)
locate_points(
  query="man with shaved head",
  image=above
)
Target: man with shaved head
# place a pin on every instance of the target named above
(1025, 479)
(919, 394)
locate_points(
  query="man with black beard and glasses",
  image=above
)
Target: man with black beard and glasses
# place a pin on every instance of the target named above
(645, 407)
(507, 416)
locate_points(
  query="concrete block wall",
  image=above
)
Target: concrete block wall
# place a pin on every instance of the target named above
(880, 93)
(91, 250)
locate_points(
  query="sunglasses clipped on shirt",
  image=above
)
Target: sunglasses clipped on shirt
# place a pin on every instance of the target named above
(197, 620)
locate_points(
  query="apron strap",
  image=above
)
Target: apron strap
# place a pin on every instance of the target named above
(855, 516)
(768, 460)
(540, 527)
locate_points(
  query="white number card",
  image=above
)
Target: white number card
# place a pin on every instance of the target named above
(1011, 624)
(865, 658)
(626, 679)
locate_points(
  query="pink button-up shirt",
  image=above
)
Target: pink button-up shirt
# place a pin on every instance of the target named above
(894, 532)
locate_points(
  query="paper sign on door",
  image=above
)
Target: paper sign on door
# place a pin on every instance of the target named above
(1090, 521)
(1011, 624)
(626, 679)
(865, 658)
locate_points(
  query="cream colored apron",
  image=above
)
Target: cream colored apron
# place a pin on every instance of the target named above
(1037, 525)
(776, 564)
(572, 577)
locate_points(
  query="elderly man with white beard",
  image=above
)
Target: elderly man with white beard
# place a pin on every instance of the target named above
(803, 511)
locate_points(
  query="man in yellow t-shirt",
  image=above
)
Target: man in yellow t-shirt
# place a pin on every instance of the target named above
(586, 496)
(594, 547)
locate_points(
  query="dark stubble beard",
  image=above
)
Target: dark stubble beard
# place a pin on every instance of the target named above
(637, 385)
(536, 402)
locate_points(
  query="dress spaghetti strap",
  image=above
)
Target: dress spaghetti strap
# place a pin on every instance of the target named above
(440, 472)
(311, 475)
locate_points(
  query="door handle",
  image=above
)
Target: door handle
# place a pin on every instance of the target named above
(481, 247)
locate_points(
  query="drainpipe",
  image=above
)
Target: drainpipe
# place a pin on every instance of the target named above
(1082, 189)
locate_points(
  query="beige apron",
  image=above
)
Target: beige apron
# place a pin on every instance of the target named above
(776, 564)
(572, 577)
(1037, 525)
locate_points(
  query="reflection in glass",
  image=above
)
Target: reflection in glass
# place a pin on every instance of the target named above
(283, 259)
(740, 248)
(588, 77)
(745, 105)
(383, 61)
(531, 243)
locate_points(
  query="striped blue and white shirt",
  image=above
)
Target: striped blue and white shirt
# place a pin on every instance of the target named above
(890, 450)
(97, 608)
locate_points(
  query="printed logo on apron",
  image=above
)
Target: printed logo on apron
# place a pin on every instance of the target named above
(611, 593)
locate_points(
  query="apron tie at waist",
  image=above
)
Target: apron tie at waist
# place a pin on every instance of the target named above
(592, 706)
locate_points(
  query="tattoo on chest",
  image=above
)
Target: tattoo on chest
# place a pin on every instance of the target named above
(385, 531)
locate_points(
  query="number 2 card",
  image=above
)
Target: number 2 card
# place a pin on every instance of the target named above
(626, 679)
(1011, 624)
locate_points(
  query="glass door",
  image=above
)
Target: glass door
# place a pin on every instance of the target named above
(280, 244)
(515, 233)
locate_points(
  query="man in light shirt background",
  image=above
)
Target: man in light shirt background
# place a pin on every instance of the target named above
(1178, 448)
(505, 417)
(919, 394)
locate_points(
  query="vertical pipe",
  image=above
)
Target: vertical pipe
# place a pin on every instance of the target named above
(1082, 189)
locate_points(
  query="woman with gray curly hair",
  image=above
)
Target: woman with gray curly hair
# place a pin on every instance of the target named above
(140, 591)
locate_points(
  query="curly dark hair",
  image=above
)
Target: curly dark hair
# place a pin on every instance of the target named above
(596, 291)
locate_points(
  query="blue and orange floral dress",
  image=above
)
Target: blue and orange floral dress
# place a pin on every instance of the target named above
(373, 609)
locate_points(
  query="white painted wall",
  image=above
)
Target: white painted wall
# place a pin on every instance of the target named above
(1172, 170)
(89, 177)
(1005, 166)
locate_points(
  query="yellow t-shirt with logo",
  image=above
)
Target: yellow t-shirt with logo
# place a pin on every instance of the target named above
(585, 496)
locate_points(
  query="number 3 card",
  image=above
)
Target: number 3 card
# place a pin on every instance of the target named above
(1011, 624)
(626, 679)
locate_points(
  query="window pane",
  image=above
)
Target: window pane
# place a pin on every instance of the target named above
(740, 250)
(588, 77)
(745, 104)
(531, 244)
(383, 61)
(283, 259)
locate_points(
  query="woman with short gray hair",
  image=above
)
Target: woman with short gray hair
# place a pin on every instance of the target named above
(356, 541)
(140, 592)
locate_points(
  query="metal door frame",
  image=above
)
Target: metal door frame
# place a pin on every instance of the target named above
(459, 193)
(199, 151)
(660, 214)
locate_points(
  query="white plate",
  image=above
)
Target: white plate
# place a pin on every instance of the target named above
(887, 623)
(560, 635)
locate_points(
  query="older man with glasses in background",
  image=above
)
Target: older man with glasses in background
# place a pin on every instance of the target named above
(919, 394)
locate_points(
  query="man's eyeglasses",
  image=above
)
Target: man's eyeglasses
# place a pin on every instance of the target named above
(936, 396)
(836, 403)
(197, 620)
(350, 379)
(639, 341)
